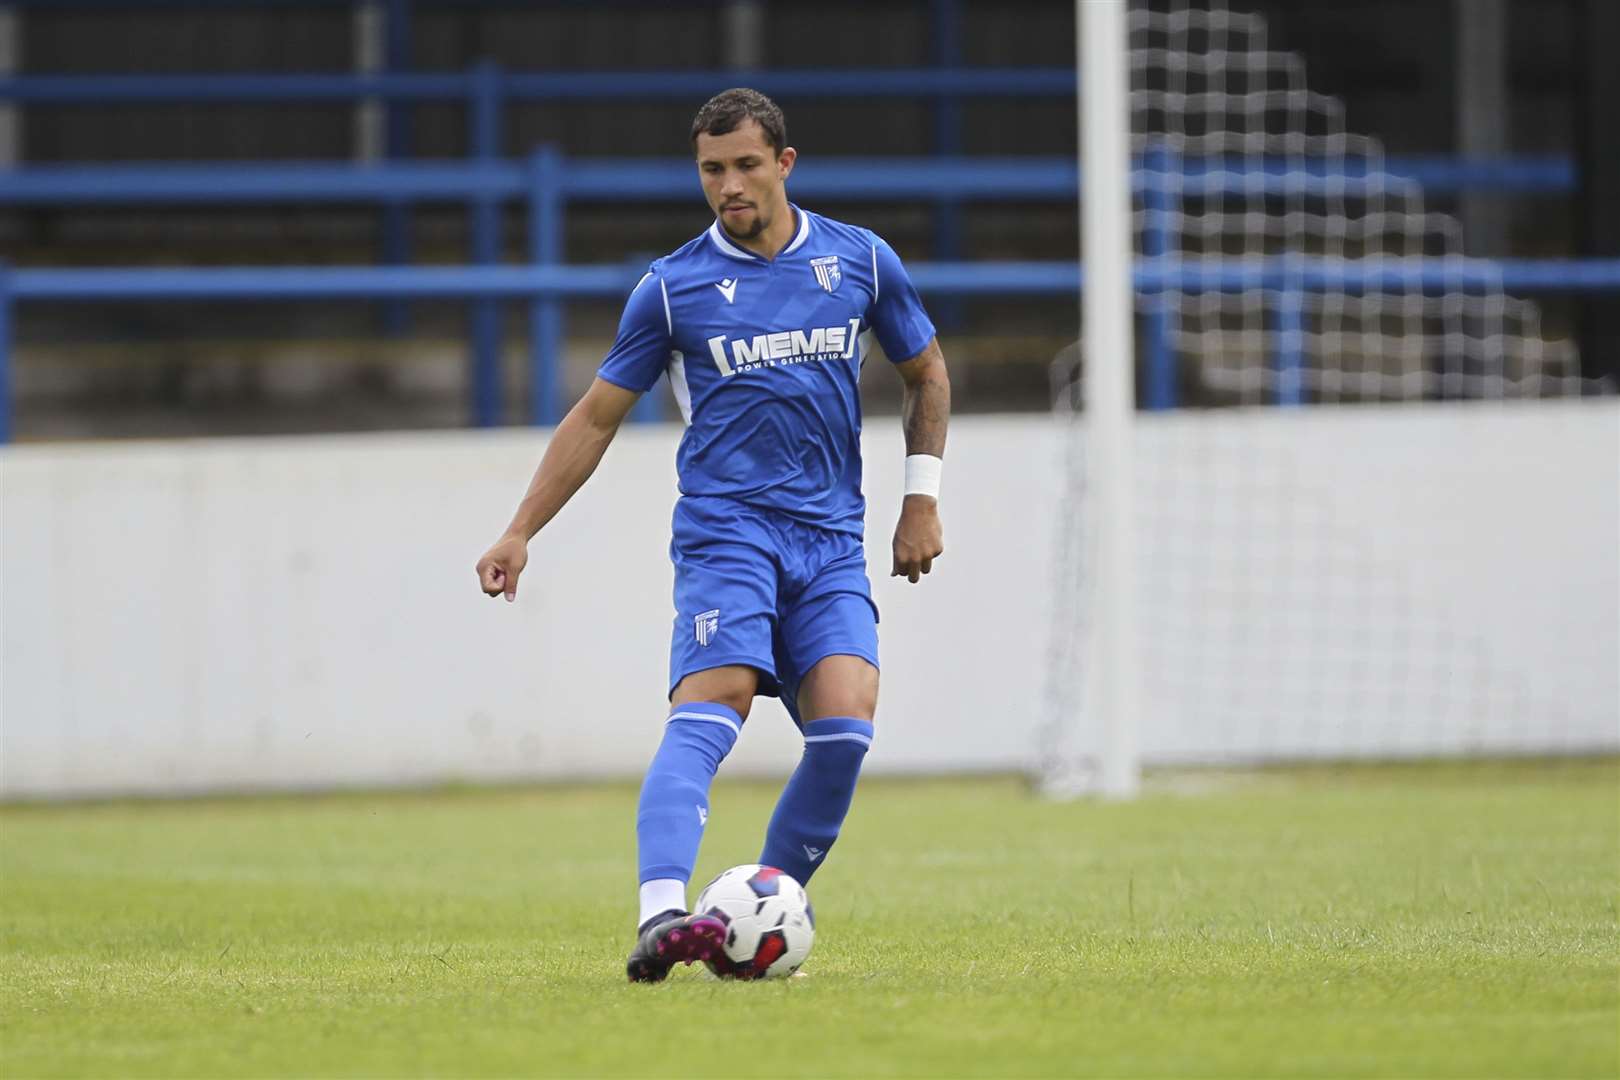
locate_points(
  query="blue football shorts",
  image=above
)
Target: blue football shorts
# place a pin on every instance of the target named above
(758, 588)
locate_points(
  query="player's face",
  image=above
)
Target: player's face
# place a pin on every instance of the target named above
(743, 179)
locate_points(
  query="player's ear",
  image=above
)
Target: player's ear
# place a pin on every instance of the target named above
(785, 160)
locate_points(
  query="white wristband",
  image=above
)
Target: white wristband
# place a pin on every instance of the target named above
(922, 474)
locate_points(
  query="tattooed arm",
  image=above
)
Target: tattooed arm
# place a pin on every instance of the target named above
(925, 413)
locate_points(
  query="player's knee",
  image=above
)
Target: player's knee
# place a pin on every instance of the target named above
(733, 686)
(852, 706)
(840, 686)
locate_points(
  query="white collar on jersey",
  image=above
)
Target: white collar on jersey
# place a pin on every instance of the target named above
(718, 235)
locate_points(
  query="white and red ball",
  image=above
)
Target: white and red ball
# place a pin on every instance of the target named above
(769, 923)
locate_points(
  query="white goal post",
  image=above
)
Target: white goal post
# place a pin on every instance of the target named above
(1306, 545)
(1109, 688)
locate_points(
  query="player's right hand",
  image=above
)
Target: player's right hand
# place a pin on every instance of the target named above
(498, 570)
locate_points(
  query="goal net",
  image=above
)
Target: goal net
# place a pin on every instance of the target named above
(1319, 577)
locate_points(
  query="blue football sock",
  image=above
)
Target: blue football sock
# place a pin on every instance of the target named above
(812, 807)
(675, 796)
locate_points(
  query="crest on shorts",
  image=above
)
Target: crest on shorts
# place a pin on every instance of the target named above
(826, 268)
(706, 626)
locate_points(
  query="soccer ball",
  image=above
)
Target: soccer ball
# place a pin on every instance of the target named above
(769, 924)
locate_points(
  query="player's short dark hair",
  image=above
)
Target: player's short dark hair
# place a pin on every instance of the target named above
(729, 109)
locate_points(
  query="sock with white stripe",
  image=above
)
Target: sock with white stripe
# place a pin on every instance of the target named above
(674, 803)
(812, 807)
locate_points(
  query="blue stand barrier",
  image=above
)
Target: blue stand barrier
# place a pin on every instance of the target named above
(1159, 203)
(5, 354)
(485, 227)
(1290, 346)
(396, 217)
(545, 312)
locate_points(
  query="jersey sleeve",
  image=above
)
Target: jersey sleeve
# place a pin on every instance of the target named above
(903, 327)
(641, 351)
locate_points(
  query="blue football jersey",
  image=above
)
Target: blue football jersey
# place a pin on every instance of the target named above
(764, 357)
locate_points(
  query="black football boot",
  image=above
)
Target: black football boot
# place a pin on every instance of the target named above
(673, 937)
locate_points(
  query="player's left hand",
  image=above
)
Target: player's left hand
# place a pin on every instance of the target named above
(918, 539)
(498, 570)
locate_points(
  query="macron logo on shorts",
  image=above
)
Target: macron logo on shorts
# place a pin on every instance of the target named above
(706, 626)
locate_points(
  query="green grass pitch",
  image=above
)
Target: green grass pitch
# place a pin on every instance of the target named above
(1424, 920)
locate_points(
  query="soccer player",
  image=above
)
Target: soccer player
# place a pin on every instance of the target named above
(762, 324)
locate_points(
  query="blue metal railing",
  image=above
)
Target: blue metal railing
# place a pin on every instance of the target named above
(873, 179)
(542, 285)
(547, 183)
(1425, 274)
(487, 90)
(680, 84)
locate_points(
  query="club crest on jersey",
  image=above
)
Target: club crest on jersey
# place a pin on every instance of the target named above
(706, 626)
(826, 268)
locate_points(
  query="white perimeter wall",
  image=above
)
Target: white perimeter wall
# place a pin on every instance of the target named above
(189, 616)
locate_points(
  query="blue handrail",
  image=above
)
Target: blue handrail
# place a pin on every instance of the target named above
(586, 179)
(614, 280)
(542, 285)
(211, 184)
(490, 86)
(685, 84)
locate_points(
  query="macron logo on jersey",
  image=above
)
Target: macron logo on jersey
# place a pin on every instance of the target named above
(728, 289)
(732, 355)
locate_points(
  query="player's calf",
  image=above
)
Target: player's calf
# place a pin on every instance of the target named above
(812, 808)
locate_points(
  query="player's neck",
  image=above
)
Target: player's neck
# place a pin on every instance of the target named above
(769, 243)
